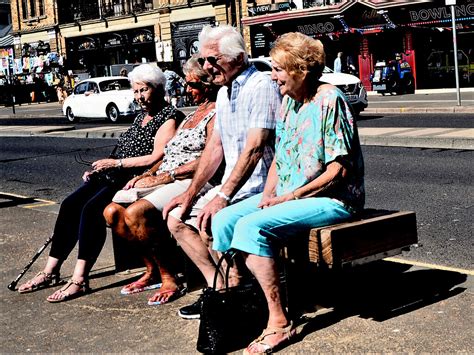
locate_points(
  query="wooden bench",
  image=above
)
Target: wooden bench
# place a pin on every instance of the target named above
(376, 235)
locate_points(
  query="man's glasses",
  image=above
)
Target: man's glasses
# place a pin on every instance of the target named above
(194, 84)
(212, 60)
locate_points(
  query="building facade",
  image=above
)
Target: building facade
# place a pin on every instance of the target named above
(368, 31)
(98, 37)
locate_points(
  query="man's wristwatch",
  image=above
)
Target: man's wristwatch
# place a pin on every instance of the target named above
(223, 195)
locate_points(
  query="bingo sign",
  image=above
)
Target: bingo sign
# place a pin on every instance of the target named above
(263, 36)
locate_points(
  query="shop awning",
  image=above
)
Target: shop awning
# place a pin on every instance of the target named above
(6, 41)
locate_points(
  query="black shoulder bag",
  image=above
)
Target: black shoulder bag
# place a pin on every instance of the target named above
(232, 317)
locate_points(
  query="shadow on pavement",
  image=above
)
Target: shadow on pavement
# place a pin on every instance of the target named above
(379, 291)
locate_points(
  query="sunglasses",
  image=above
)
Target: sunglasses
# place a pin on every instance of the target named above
(212, 60)
(194, 84)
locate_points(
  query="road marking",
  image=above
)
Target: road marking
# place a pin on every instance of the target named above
(38, 201)
(430, 266)
(35, 205)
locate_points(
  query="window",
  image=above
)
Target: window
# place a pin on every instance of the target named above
(120, 84)
(81, 88)
(32, 8)
(24, 9)
(41, 7)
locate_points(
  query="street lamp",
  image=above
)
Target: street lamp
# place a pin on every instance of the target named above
(452, 3)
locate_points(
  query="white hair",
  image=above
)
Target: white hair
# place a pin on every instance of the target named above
(230, 41)
(148, 74)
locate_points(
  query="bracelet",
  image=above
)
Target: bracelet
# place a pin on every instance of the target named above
(120, 163)
(294, 196)
(172, 174)
(223, 195)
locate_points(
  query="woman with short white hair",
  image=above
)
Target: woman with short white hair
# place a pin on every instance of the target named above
(80, 218)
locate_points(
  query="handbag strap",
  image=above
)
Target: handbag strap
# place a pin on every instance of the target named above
(229, 257)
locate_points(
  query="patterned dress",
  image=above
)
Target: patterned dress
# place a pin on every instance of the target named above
(312, 135)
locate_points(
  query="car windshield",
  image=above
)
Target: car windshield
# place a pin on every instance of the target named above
(115, 84)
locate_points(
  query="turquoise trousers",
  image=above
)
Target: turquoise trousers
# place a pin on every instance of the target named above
(258, 231)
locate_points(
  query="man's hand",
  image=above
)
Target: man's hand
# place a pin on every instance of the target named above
(184, 201)
(204, 217)
(268, 201)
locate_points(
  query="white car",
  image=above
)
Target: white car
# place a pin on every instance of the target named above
(104, 97)
(349, 84)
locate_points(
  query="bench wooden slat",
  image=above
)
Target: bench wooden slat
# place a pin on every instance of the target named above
(378, 234)
(347, 242)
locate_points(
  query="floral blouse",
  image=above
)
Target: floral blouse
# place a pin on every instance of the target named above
(310, 136)
(187, 145)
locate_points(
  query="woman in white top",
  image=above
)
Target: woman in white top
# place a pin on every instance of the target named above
(142, 221)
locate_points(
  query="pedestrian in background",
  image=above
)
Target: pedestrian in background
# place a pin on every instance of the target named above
(338, 63)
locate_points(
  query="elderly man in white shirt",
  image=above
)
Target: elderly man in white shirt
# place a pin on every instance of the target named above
(246, 110)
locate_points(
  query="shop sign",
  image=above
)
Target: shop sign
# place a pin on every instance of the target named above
(185, 37)
(264, 9)
(316, 28)
(439, 13)
(113, 41)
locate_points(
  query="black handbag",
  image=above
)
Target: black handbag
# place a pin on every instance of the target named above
(232, 317)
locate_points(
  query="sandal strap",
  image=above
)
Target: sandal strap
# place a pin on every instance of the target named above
(275, 330)
(83, 285)
(47, 277)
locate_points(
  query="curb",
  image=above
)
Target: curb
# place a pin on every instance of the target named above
(414, 110)
(419, 142)
(388, 139)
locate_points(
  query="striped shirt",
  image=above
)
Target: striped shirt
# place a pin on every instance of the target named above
(254, 102)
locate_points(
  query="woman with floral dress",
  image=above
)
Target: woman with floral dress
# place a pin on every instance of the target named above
(316, 177)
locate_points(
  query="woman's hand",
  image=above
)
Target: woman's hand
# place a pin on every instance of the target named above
(86, 175)
(104, 164)
(133, 181)
(268, 201)
(150, 181)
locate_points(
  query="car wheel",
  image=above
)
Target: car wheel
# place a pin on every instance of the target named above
(113, 114)
(70, 115)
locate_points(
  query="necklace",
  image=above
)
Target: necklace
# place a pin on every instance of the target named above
(197, 115)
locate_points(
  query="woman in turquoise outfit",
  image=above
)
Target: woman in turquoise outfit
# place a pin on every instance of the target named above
(316, 176)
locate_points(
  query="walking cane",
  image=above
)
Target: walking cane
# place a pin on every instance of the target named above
(13, 284)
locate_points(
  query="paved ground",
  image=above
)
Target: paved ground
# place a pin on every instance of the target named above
(386, 307)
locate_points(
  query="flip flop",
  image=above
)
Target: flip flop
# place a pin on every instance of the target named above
(138, 286)
(175, 294)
